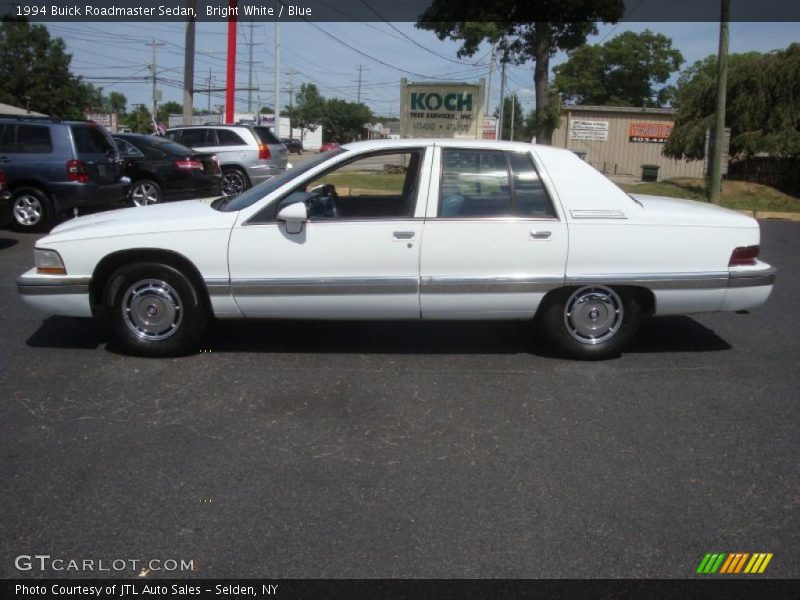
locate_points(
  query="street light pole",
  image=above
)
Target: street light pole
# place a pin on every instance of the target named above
(715, 163)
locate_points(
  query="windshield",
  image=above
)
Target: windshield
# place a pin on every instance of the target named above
(254, 194)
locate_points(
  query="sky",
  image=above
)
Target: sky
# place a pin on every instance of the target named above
(116, 57)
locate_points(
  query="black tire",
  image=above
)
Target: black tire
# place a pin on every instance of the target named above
(145, 192)
(234, 181)
(140, 292)
(567, 318)
(31, 209)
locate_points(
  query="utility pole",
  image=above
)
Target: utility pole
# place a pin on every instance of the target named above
(488, 102)
(277, 80)
(360, 68)
(188, 66)
(502, 90)
(715, 162)
(208, 87)
(513, 111)
(155, 44)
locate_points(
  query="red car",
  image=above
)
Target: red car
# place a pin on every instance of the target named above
(329, 146)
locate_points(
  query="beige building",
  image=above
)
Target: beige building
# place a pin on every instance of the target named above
(618, 140)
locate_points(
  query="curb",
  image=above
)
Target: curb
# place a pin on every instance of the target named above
(765, 214)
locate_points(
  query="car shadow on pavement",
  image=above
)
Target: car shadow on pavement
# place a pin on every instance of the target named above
(7, 243)
(666, 334)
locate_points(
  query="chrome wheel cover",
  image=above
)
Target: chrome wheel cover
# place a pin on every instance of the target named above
(593, 315)
(232, 183)
(143, 194)
(152, 309)
(28, 210)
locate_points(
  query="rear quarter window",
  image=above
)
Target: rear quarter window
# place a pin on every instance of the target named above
(227, 137)
(265, 136)
(91, 140)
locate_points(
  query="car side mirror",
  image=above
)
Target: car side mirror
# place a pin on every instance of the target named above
(294, 215)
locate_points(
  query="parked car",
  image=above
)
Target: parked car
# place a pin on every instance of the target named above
(329, 146)
(248, 155)
(162, 170)
(293, 145)
(467, 230)
(6, 215)
(54, 166)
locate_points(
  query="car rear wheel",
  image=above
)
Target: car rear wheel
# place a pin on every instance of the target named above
(145, 192)
(155, 310)
(31, 209)
(592, 322)
(234, 182)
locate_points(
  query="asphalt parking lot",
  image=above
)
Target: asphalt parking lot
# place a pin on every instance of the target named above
(304, 449)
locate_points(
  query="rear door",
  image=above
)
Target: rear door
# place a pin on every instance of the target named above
(96, 149)
(494, 241)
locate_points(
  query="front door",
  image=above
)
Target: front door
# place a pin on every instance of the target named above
(357, 255)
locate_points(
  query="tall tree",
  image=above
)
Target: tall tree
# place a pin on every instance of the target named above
(344, 120)
(140, 120)
(523, 32)
(762, 108)
(35, 72)
(169, 108)
(117, 102)
(629, 70)
(308, 109)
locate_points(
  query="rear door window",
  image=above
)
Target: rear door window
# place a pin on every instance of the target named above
(33, 139)
(127, 150)
(196, 138)
(91, 140)
(474, 184)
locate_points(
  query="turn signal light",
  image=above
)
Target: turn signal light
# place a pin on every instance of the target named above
(76, 171)
(263, 152)
(743, 255)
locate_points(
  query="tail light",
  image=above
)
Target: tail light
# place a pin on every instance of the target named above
(3, 181)
(189, 165)
(743, 255)
(263, 152)
(215, 158)
(76, 171)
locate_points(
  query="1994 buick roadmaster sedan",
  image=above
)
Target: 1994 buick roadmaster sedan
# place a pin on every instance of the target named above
(411, 229)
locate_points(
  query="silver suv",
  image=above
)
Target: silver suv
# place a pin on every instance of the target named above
(247, 154)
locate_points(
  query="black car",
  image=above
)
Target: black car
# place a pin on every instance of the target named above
(162, 170)
(6, 214)
(54, 166)
(293, 145)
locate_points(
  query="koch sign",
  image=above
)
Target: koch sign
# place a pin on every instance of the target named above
(581, 129)
(441, 110)
(642, 131)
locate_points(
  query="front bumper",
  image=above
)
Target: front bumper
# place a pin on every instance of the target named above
(56, 294)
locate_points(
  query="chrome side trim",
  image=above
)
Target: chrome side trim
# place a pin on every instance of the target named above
(488, 285)
(666, 281)
(597, 214)
(740, 279)
(218, 287)
(51, 286)
(328, 286)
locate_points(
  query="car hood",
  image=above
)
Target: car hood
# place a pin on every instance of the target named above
(677, 211)
(159, 218)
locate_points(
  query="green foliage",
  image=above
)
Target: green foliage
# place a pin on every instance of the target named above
(35, 72)
(566, 26)
(117, 102)
(628, 70)
(168, 108)
(140, 120)
(762, 105)
(344, 120)
(308, 109)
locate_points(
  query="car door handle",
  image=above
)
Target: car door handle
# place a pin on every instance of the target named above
(404, 235)
(540, 235)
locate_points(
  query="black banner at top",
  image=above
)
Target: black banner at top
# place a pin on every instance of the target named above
(396, 10)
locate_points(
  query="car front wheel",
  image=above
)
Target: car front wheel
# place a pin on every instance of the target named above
(592, 322)
(155, 310)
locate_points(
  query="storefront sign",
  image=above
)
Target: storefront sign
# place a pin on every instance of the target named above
(641, 131)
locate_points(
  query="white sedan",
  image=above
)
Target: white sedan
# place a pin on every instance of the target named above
(411, 229)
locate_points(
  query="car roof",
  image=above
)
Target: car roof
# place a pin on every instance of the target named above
(452, 143)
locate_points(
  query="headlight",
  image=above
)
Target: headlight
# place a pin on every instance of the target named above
(48, 262)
